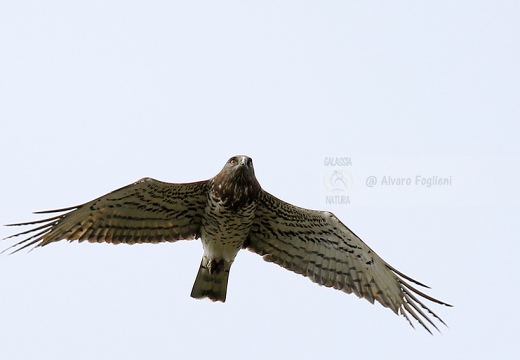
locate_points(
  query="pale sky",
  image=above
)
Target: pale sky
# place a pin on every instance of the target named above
(97, 94)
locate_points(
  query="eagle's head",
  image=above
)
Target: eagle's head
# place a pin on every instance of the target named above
(236, 185)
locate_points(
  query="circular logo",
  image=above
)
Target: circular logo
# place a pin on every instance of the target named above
(338, 181)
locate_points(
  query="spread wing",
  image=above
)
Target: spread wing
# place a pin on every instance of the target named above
(147, 211)
(317, 245)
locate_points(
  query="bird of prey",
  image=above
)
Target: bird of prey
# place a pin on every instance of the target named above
(230, 212)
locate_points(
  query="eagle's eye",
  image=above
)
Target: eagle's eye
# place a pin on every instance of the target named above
(249, 162)
(233, 161)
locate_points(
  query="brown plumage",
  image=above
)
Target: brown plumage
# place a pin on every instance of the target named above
(230, 212)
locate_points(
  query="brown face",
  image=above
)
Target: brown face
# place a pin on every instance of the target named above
(236, 184)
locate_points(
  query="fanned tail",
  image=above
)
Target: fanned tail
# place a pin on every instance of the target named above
(212, 280)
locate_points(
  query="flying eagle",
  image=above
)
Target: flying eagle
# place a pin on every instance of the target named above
(230, 212)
